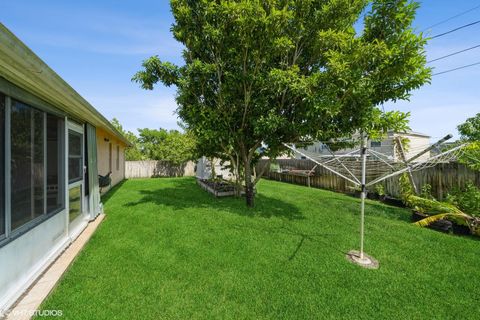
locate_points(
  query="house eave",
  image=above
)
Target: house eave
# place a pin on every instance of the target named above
(23, 68)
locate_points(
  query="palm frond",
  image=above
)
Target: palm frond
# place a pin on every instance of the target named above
(459, 218)
(431, 219)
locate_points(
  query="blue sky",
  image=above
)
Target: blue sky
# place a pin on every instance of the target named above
(96, 46)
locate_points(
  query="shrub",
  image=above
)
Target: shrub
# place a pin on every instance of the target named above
(468, 199)
(426, 192)
(380, 189)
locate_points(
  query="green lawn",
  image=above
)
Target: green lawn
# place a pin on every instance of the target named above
(168, 250)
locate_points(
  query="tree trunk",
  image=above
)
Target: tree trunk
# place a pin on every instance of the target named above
(249, 185)
(212, 166)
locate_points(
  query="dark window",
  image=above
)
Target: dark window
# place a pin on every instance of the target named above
(2, 164)
(375, 144)
(118, 158)
(110, 157)
(55, 197)
(75, 158)
(27, 164)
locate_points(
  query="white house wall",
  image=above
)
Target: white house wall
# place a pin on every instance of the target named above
(24, 258)
(416, 145)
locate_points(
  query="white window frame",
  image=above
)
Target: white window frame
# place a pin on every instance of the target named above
(10, 234)
(78, 128)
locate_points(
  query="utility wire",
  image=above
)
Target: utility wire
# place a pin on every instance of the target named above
(454, 53)
(451, 18)
(456, 29)
(455, 69)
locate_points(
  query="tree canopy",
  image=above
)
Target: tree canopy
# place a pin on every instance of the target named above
(158, 144)
(470, 131)
(264, 72)
(132, 153)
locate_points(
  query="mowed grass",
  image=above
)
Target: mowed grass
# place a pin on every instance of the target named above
(169, 250)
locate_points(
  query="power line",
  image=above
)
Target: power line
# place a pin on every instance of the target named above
(455, 69)
(456, 29)
(454, 53)
(451, 18)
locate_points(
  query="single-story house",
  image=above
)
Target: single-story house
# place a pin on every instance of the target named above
(53, 146)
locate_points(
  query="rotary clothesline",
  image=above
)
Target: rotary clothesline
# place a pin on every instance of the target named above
(379, 165)
(352, 166)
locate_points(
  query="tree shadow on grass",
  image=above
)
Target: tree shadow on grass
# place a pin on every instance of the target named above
(324, 239)
(186, 194)
(110, 193)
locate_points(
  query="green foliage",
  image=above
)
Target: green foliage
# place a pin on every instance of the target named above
(380, 190)
(470, 129)
(431, 206)
(468, 199)
(426, 191)
(153, 144)
(274, 71)
(406, 189)
(471, 155)
(382, 122)
(470, 132)
(437, 210)
(132, 153)
(161, 144)
(274, 167)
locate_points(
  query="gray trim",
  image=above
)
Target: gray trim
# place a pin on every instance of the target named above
(4, 234)
(8, 164)
(24, 96)
(45, 161)
(65, 178)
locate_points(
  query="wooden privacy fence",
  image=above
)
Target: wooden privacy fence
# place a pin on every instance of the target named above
(154, 168)
(443, 177)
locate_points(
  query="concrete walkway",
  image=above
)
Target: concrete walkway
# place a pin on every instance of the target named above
(31, 300)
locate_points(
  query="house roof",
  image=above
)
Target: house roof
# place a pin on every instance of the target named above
(22, 67)
(413, 133)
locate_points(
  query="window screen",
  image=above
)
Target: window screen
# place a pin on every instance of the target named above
(75, 156)
(55, 156)
(27, 164)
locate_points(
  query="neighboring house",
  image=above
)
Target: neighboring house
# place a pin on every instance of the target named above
(416, 143)
(53, 145)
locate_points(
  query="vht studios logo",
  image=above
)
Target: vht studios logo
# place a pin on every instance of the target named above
(31, 313)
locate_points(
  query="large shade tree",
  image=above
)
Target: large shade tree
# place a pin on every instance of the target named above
(263, 72)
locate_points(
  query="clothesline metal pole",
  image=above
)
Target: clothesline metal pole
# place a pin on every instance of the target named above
(364, 193)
